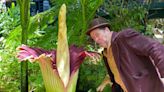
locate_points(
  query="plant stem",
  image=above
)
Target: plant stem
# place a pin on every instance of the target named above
(24, 16)
(83, 21)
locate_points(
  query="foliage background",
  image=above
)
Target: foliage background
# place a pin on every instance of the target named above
(43, 33)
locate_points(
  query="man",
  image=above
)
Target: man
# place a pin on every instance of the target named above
(136, 61)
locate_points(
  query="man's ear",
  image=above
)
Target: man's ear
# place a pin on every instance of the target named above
(107, 29)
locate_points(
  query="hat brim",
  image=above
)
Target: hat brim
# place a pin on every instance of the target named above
(97, 26)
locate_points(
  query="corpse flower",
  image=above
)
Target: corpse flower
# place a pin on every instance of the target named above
(59, 67)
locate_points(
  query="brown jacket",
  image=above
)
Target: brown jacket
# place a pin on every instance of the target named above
(140, 61)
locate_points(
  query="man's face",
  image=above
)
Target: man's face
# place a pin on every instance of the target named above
(99, 36)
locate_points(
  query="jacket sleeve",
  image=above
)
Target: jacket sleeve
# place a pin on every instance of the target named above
(145, 46)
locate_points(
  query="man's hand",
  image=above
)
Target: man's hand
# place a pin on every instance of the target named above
(106, 81)
(93, 56)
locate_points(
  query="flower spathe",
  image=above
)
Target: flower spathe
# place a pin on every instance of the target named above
(47, 62)
(77, 55)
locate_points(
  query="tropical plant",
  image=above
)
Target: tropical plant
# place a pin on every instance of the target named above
(59, 68)
(41, 34)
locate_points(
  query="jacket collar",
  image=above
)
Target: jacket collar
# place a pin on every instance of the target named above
(114, 36)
